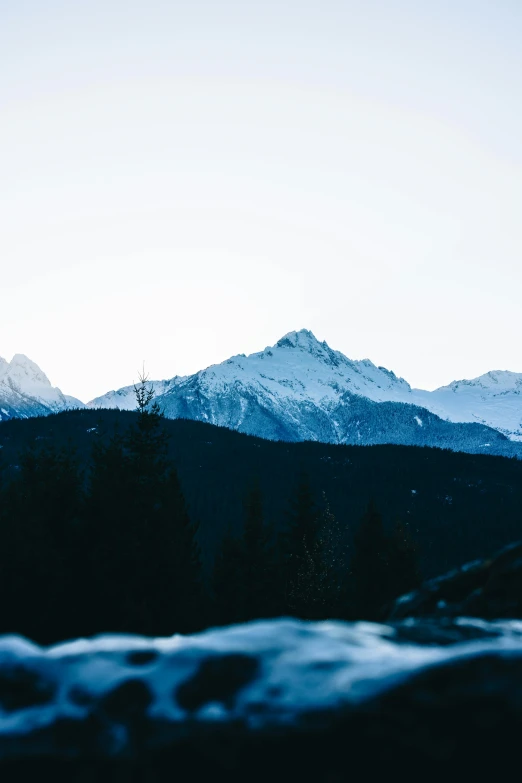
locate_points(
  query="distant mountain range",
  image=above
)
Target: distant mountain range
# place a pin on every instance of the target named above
(301, 389)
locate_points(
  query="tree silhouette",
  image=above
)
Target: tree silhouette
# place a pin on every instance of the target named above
(40, 557)
(301, 548)
(404, 571)
(383, 566)
(147, 560)
(244, 569)
(227, 581)
(369, 575)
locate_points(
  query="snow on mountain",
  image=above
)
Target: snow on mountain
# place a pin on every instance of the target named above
(125, 398)
(301, 389)
(299, 367)
(25, 390)
(494, 399)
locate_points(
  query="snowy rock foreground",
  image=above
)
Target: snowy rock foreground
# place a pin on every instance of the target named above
(275, 700)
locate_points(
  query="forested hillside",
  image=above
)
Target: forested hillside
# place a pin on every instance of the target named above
(130, 506)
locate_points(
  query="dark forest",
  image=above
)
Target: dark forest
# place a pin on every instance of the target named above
(130, 522)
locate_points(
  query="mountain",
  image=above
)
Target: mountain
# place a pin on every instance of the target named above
(494, 399)
(124, 399)
(26, 391)
(301, 389)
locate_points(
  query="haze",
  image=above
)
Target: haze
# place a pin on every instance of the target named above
(183, 181)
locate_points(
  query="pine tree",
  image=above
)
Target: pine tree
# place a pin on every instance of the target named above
(175, 581)
(382, 568)
(403, 558)
(147, 564)
(258, 558)
(301, 552)
(227, 582)
(40, 558)
(243, 578)
(110, 509)
(369, 575)
(332, 558)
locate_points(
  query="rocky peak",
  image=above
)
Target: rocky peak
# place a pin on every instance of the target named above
(26, 373)
(304, 339)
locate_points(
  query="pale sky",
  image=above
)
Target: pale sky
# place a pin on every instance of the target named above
(184, 181)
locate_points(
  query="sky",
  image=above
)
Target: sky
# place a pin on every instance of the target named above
(184, 181)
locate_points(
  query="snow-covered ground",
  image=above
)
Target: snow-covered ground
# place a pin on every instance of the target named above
(264, 674)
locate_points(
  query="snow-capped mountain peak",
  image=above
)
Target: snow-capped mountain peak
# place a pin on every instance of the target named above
(494, 398)
(25, 390)
(307, 342)
(302, 389)
(303, 339)
(26, 374)
(496, 382)
(300, 367)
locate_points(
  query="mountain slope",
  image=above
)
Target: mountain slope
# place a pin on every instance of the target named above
(301, 389)
(494, 399)
(26, 391)
(124, 399)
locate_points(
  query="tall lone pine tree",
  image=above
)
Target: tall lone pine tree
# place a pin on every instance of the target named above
(146, 562)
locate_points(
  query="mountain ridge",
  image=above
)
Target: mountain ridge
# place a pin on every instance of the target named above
(302, 389)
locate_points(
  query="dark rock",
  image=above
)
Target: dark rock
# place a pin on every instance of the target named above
(288, 700)
(218, 678)
(142, 657)
(441, 631)
(129, 698)
(22, 687)
(465, 711)
(491, 589)
(80, 696)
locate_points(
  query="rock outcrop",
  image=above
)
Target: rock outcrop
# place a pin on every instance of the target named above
(490, 588)
(277, 700)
